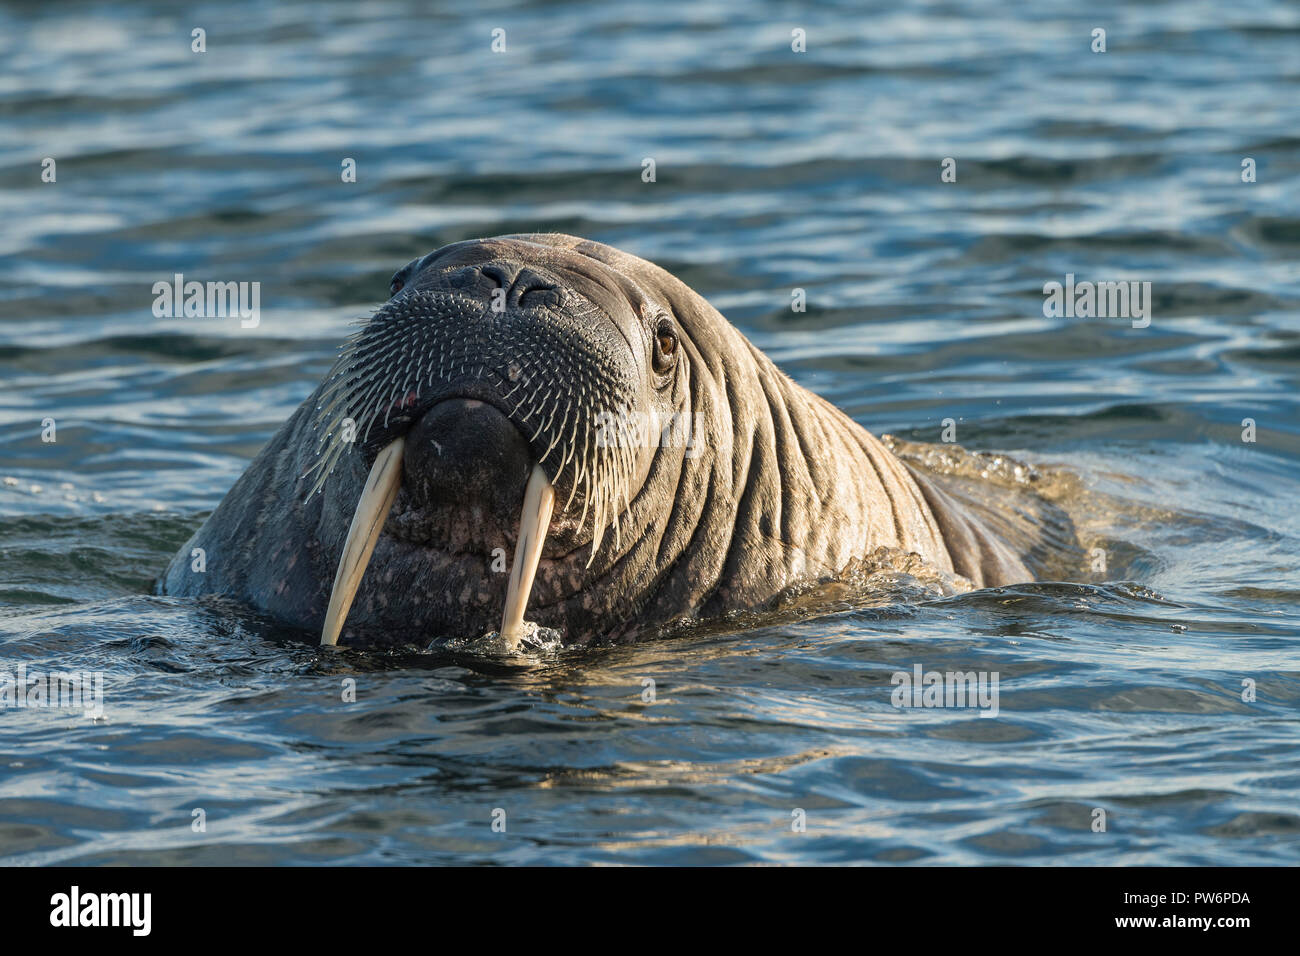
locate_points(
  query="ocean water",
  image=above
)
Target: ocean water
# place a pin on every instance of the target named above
(1158, 693)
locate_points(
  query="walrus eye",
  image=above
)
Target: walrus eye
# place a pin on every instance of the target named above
(665, 348)
(396, 286)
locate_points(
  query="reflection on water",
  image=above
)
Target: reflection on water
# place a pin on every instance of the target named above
(1121, 689)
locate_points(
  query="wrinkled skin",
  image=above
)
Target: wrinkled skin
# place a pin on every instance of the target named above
(777, 487)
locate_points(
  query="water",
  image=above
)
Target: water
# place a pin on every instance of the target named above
(1120, 691)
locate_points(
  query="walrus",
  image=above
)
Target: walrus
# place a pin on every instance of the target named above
(578, 407)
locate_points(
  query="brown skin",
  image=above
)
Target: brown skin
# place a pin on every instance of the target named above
(780, 488)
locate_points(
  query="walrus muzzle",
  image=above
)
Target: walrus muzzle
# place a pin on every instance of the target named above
(488, 435)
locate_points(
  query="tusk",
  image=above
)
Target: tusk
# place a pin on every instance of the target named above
(539, 500)
(368, 520)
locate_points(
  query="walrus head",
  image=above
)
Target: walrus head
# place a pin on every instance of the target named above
(585, 410)
(506, 392)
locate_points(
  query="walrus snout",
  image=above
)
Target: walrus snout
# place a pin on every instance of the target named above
(464, 457)
(448, 480)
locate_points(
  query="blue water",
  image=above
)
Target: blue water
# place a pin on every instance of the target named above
(1120, 691)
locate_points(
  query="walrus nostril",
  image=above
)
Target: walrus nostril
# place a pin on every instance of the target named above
(519, 282)
(539, 288)
(502, 275)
